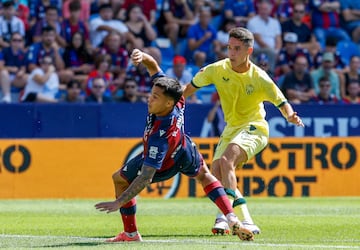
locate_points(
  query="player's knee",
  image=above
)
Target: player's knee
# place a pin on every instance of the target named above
(225, 164)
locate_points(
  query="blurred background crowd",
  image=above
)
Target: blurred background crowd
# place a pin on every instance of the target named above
(78, 50)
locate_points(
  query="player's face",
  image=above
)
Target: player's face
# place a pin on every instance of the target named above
(238, 53)
(158, 103)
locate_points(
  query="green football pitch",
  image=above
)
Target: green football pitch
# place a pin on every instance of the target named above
(286, 223)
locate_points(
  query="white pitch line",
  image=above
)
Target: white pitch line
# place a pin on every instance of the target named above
(249, 244)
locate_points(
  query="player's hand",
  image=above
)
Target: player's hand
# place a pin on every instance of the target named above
(108, 207)
(136, 56)
(295, 119)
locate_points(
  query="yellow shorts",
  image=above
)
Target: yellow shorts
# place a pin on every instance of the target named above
(251, 140)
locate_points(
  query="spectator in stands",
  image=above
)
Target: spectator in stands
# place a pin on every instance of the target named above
(176, 16)
(215, 117)
(104, 24)
(9, 24)
(330, 46)
(350, 11)
(84, 10)
(115, 48)
(306, 39)
(148, 7)
(13, 67)
(327, 69)
(240, 11)
(43, 83)
(262, 61)
(101, 70)
(324, 96)
(77, 59)
(97, 91)
(222, 38)
(267, 32)
(289, 53)
(354, 93)
(48, 47)
(131, 92)
(201, 37)
(73, 93)
(326, 20)
(298, 85)
(73, 24)
(38, 7)
(353, 74)
(51, 19)
(142, 78)
(182, 74)
(143, 32)
(216, 7)
(22, 11)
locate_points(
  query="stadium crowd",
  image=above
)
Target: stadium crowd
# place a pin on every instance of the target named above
(78, 50)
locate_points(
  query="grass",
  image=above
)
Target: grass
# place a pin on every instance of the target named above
(286, 223)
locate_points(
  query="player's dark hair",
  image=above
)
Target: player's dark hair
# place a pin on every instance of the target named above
(172, 88)
(243, 35)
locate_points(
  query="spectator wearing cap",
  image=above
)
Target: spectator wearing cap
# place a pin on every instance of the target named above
(327, 69)
(105, 24)
(330, 46)
(289, 53)
(306, 39)
(201, 39)
(297, 84)
(182, 74)
(325, 16)
(267, 32)
(9, 24)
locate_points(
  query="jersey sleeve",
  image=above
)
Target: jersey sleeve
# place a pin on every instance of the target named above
(156, 151)
(203, 77)
(272, 92)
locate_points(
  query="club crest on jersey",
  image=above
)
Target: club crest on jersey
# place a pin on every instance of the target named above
(249, 89)
(225, 79)
(153, 151)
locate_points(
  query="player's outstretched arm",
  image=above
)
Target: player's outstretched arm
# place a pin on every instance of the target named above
(189, 89)
(290, 115)
(138, 184)
(138, 56)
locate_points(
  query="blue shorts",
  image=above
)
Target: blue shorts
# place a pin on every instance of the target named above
(190, 162)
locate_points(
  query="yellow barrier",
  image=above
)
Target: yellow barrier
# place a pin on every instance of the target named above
(74, 168)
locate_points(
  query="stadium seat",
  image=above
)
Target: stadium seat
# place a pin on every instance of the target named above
(347, 49)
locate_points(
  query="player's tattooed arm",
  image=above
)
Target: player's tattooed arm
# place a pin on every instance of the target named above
(138, 184)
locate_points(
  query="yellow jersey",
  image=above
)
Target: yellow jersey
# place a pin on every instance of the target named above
(241, 94)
